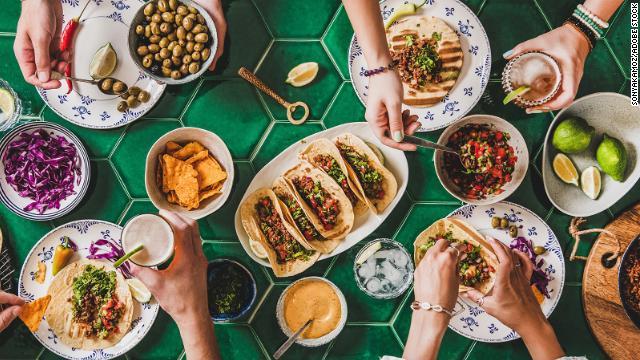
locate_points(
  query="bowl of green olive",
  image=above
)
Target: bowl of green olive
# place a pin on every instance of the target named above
(172, 41)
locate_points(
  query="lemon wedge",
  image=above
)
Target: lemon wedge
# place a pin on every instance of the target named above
(564, 168)
(7, 104)
(138, 290)
(104, 62)
(368, 252)
(515, 93)
(302, 74)
(257, 249)
(591, 182)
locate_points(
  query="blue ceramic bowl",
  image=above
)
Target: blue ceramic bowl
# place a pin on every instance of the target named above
(215, 270)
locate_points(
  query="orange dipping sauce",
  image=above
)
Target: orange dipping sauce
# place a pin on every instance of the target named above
(312, 299)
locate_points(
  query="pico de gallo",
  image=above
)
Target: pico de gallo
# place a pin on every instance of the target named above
(323, 204)
(280, 239)
(418, 62)
(486, 162)
(302, 221)
(370, 178)
(329, 165)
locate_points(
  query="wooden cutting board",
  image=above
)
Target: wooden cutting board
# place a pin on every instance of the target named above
(615, 333)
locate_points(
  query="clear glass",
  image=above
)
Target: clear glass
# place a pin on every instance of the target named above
(8, 122)
(129, 244)
(407, 273)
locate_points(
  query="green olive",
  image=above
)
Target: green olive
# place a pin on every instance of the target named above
(106, 84)
(172, 45)
(495, 222)
(167, 16)
(177, 61)
(149, 9)
(190, 36)
(157, 57)
(166, 27)
(201, 19)
(504, 223)
(164, 42)
(154, 48)
(122, 106)
(186, 59)
(134, 90)
(166, 71)
(165, 53)
(189, 46)
(513, 231)
(119, 87)
(184, 69)
(147, 19)
(194, 67)
(182, 42)
(195, 56)
(198, 47)
(172, 37)
(167, 63)
(178, 19)
(132, 102)
(205, 54)
(182, 10)
(156, 18)
(193, 10)
(539, 250)
(147, 31)
(181, 33)
(162, 6)
(154, 39)
(144, 96)
(175, 75)
(155, 28)
(187, 23)
(173, 4)
(124, 95)
(147, 61)
(197, 29)
(140, 30)
(142, 50)
(177, 50)
(201, 38)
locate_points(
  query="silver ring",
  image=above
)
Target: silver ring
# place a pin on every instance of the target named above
(456, 249)
(518, 264)
(481, 300)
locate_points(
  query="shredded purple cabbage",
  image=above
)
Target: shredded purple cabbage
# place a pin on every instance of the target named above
(109, 250)
(43, 168)
(539, 278)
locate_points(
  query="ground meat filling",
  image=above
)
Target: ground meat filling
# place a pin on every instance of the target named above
(329, 165)
(370, 178)
(302, 221)
(325, 206)
(418, 62)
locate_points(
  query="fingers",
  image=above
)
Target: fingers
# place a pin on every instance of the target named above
(475, 296)
(440, 245)
(396, 126)
(149, 277)
(564, 98)
(526, 264)
(411, 128)
(181, 232)
(8, 315)
(526, 46)
(504, 259)
(42, 56)
(25, 55)
(7, 298)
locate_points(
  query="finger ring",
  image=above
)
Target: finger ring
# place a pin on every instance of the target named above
(481, 300)
(456, 249)
(518, 264)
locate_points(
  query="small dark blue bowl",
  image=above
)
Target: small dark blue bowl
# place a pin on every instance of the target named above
(248, 292)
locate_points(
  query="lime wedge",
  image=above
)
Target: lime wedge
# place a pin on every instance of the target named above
(591, 182)
(138, 290)
(564, 168)
(368, 252)
(104, 62)
(515, 93)
(257, 249)
(7, 104)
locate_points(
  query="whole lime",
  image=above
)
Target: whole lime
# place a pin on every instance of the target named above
(572, 135)
(612, 157)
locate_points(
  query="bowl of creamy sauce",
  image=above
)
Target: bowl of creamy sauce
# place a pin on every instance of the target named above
(312, 298)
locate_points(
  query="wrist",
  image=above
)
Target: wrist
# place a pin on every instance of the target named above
(431, 324)
(578, 37)
(190, 317)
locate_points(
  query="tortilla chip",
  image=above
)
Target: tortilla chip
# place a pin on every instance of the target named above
(211, 192)
(197, 157)
(32, 313)
(188, 150)
(172, 197)
(172, 147)
(209, 172)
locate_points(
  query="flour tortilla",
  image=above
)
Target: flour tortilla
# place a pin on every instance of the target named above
(389, 182)
(449, 49)
(59, 313)
(251, 224)
(461, 231)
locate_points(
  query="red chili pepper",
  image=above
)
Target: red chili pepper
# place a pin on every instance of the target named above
(69, 31)
(67, 73)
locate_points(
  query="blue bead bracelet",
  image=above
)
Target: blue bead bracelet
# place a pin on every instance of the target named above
(379, 70)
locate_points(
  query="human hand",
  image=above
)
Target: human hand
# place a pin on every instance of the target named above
(10, 312)
(214, 8)
(384, 111)
(570, 49)
(37, 38)
(436, 278)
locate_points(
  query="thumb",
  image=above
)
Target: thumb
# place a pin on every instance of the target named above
(395, 121)
(8, 315)
(149, 277)
(526, 46)
(474, 295)
(42, 57)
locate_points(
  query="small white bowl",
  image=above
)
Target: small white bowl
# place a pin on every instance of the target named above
(216, 147)
(516, 141)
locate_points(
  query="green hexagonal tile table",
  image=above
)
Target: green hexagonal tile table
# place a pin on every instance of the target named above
(270, 37)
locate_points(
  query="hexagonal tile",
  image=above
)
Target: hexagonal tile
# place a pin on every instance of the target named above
(230, 336)
(162, 342)
(17, 342)
(282, 57)
(281, 136)
(618, 37)
(365, 342)
(21, 234)
(226, 106)
(601, 73)
(31, 101)
(531, 194)
(130, 156)
(138, 207)
(346, 107)
(391, 224)
(419, 218)
(242, 48)
(557, 11)
(292, 19)
(9, 19)
(173, 101)
(320, 268)
(425, 188)
(338, 39)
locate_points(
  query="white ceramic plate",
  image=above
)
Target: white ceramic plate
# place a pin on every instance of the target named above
(516, 141)
(473, 76)
(608, 113)
(216, 147)
(17, 203)
(82, 232)
(365, 224)
(473, 322)
(102, 22)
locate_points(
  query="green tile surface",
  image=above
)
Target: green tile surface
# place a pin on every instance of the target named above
(270, 37)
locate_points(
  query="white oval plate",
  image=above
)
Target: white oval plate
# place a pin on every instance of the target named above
(17, 203)
(473, 322)
(475, 69)
(86, 106)
(365, 224)
(609, 113)
(82, 232)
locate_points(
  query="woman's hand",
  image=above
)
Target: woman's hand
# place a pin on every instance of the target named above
(569, 48)
(214, 8)
(12, 305)
(384, 111)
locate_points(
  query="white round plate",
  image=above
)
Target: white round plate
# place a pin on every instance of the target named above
(17, 203)
(364, 224)
(82, 232)
(472, 321)
(473, 76)
(102, 22)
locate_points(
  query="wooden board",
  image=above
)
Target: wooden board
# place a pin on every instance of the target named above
(615, 333)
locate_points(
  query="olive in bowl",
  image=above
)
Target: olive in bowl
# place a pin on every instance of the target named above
(172, 41)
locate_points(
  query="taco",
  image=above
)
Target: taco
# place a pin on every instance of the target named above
(376, 184)
(263, 220)
(293, 213)
(324, 155)
(428, 57)
(322, 200)
(91, 306)
(478, 263)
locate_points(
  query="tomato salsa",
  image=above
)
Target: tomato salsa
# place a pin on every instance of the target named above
(489, 160)
(302, 221)
(370, 178)
(325, 206)
(329, 165)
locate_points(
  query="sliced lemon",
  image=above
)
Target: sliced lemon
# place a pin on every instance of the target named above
(104, 62)
(138, 290)
(257, 249)
(564, 168)
(302, 74)
(591, 182)
(515, 93)
(368, 252)
(7, 104)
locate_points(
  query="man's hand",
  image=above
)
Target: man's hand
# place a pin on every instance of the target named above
(12, 305)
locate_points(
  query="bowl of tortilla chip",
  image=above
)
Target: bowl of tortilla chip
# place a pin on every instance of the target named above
(189, 171)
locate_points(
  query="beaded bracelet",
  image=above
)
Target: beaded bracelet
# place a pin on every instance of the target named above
(603, 24)
(590, 24)
(581, 28)
(417, 305)
(379, 70)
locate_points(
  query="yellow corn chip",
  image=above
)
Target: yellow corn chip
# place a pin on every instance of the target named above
(197, 157)
(211, 192)
(209, 172)
(188, 150)
(172, 147)
(31, 313)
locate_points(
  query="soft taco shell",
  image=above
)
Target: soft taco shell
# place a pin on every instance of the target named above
(59, 313)
(389, 182)
(462, 231)
(251, 224)
(449, 50)
(346, 216)
(282, 189)
(324, 146)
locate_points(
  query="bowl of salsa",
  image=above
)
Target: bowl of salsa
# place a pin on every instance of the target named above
(493, 159)
(231, 290)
